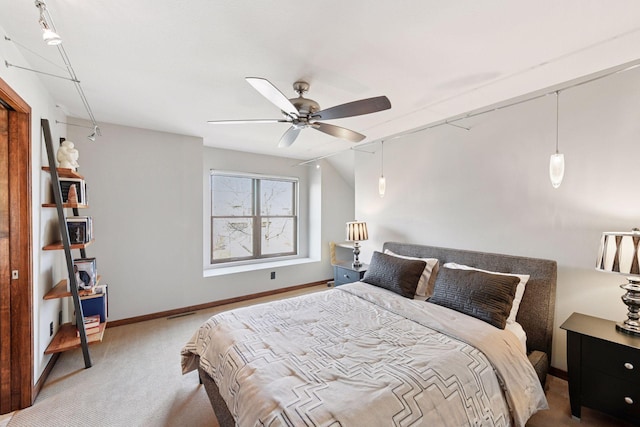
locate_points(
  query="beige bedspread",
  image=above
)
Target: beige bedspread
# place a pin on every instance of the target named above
(360, 355)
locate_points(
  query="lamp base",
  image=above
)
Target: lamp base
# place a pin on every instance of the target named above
(628, 329)
(631, 326)
(356, 253)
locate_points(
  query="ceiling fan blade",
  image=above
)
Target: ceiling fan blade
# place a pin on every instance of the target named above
(339, 132)
(235, 122)
(355, 108)
(289, 136)
(272, 93)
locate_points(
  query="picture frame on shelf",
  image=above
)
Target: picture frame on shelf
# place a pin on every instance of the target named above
(80, 229)
(86, 273)
(81, 190)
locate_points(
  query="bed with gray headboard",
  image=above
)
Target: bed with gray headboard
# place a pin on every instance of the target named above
(326, 375)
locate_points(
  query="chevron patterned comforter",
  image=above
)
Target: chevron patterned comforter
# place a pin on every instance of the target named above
(358, 355)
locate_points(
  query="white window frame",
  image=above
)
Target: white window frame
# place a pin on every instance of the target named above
(257, 258)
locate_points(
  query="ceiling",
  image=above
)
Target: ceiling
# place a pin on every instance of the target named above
(172, 65)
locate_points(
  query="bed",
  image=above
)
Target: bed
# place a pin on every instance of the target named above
(365, 354)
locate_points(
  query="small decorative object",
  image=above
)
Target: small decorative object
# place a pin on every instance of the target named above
(619, 254)
(67, 155)
(357, 232)
(72, 197)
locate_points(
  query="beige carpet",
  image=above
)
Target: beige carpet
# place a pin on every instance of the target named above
(136, 381)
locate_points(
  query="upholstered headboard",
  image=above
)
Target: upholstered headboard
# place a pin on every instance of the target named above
(538, 303)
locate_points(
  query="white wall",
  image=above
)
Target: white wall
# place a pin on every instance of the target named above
(146, 195)
(46, 265)
(488, 189)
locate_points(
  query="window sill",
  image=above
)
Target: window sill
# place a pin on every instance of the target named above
(222, 271)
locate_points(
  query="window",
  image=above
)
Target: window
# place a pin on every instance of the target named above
(252, 217)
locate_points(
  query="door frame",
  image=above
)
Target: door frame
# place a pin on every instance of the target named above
(20, 360)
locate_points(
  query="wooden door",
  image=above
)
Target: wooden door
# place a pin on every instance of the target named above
(16, 287)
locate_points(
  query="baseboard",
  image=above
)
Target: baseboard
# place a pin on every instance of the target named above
(559, 373)
(45, 374)
(178, 311)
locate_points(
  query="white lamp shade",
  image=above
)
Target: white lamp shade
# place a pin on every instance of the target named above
(619, 253)
(382, 186)
(357, 231)
(556, 169)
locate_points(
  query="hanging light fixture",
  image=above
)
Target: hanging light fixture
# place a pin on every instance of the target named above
(92, 136)
(556, 162)
(48, 34)
(382, 182)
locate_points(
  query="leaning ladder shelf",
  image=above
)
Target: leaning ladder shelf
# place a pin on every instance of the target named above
(65, 338)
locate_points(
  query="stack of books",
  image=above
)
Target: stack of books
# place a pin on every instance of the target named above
(91, 325)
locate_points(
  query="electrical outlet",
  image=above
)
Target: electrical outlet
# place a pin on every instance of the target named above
(273, 275)
(51, 329)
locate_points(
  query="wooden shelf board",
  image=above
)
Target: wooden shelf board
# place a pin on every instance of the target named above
(60, 291)
(66, 205)
(56, 246)
(64, 173)
(66, 338)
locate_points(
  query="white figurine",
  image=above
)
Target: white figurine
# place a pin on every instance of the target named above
(67, 156)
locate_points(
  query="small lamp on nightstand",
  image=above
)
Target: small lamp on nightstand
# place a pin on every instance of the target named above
(357, 232)
(619, 254)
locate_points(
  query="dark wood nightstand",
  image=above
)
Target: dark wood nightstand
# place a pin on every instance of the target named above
(603, 366)
(344, 272)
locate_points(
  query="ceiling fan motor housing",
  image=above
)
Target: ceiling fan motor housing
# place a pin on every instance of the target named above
(304, 105)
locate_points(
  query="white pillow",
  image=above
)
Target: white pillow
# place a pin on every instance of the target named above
(516, 329)
(524, 278)
(425, 285)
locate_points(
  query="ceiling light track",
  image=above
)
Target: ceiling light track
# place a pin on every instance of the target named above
(537, 95)
(51, 37)
(8, 64)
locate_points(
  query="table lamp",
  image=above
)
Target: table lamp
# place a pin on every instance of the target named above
(357, 232)
(619, 254)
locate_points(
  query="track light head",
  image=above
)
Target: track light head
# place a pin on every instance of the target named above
(92, 136)
(49, 36)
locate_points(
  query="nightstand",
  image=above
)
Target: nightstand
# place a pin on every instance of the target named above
(344, 272)
(603, 366)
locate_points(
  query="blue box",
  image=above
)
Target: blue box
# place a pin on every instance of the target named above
(95, 305)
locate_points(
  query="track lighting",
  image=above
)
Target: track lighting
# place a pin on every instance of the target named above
(92, 135)
(48, 34)
(556, 162)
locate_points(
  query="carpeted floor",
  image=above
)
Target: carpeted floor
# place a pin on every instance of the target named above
(136, 381)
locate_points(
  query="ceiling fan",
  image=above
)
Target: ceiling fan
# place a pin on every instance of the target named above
(303, 112)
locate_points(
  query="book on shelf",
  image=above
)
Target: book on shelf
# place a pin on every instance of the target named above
(91, 325)
(80, 229)
(86, 273)
(89, 331)
(80, 190)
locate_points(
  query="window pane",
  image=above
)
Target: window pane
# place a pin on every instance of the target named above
(277, 236)
(231, 196)
(232, 238)
(276, 198)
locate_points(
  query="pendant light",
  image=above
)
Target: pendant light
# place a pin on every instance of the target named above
(382, 183)
(556, 162)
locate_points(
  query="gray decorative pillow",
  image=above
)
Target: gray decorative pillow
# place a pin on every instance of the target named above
(485, 296)
(395, 274)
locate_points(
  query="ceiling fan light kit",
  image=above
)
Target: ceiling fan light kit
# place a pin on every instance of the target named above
(304, 113)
